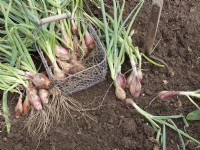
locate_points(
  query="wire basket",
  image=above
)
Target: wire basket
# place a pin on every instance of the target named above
(95, 72)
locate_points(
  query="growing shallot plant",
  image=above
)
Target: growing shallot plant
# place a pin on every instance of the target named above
(47, 103)
(164, 121)
(56, 39)
(167, 95)
(5, 110)
(18, 72)
(118, 43)
(6, 87)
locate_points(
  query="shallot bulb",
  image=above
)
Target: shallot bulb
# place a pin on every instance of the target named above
(58, 73)
(44, 96)
(119, 92)
(18, 108)
(121, 80)
(129, 101)
(89, 41)
(41, 81)
(65, 66)
(34, 99)
(26, 105)
(140, 75)
(135, 87)
(62, 53)
(77, 65)
(129, 79)
(165, 95)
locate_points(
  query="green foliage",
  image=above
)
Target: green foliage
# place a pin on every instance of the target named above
(194, 115)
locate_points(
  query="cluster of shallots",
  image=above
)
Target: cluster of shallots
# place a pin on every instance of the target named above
(70, 56)
(37, 94)
(133, 82)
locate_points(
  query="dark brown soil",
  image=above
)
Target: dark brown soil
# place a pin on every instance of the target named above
(116, 127)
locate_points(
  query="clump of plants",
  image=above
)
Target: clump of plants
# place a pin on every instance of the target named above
(66, 44)
(116, 34)
(167, 95)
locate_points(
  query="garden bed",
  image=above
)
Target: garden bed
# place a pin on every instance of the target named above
(115, 126)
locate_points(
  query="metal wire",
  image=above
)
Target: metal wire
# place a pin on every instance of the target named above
(94, 73)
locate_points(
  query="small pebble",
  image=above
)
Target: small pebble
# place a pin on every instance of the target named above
(165, 82)
(4, 139)
(192, 9)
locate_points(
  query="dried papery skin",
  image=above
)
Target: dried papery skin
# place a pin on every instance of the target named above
(74, 28)
(42, 81)
(26, 74)
(165, 95)
(31, 85)
(58, 73)
(26, 106)
(89, 41)
(65, 66)
(44, 96)
(78, 66)
(85, 49)
(60, 50)
(135, 87)
(75, 52)
(34, 99)
(119, 92)
(18, 108)
(62, 53)
(121, 80)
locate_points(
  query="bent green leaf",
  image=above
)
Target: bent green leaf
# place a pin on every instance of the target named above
(194, 115)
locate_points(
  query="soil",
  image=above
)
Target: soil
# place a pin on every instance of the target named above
(115, 126)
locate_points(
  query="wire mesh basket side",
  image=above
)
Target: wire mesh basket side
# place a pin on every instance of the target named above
(94, 73)
(40, 52)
